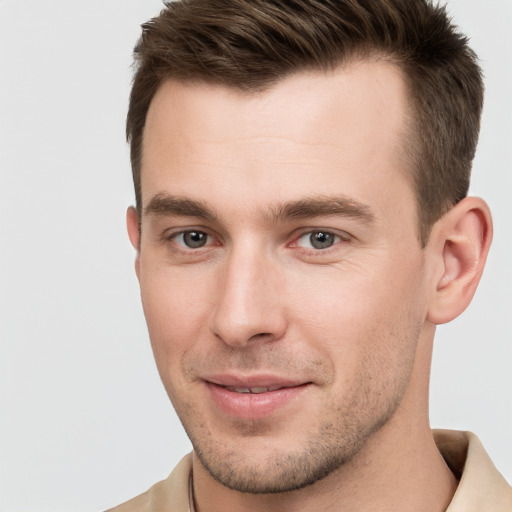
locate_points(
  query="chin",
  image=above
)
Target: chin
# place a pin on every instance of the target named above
(261, 468)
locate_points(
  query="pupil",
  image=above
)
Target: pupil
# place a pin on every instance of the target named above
(320, 240)
(194, 239)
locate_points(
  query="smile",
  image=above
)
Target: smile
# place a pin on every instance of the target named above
(254, 390)
(253, 398)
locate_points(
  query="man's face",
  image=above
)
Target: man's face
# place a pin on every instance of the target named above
(281, 275)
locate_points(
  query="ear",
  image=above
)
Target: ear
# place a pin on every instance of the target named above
(460, 241)
(133, 226)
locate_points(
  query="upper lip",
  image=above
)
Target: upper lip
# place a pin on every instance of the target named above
(270, 382)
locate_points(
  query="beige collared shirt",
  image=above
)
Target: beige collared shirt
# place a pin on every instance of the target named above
(481, 487)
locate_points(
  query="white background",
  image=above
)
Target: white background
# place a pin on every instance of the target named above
(85, 423)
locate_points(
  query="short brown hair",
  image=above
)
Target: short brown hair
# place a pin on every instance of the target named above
(252, 44)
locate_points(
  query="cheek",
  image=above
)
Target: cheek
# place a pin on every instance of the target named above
(176, 311)
(357, 315)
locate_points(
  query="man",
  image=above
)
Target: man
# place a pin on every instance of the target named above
(302, 225)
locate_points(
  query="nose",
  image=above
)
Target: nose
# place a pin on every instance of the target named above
(249, 307)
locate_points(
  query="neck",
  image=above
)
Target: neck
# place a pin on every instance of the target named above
(409, 474)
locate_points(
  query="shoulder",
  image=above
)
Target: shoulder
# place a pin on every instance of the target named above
(481, 487)
(169, 495)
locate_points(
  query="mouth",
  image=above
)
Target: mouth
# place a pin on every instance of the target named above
(256, 397)
(254, 390)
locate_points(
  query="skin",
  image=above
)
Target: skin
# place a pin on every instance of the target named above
(351, 323)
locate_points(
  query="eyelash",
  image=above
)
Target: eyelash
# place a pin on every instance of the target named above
(339, 238)
(183, 247)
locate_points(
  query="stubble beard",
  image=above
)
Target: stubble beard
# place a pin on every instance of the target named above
(333, 444)
(345, 426)
(285, 472)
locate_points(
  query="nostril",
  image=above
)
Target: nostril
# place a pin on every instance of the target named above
(260, 335)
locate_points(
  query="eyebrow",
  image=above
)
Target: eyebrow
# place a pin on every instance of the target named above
(317, 206)
(162, 205)
(322, 206)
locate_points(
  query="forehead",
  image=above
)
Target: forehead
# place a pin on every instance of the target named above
(312, 130)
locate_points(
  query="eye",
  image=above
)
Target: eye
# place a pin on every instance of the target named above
(192, 239)
(318, 240)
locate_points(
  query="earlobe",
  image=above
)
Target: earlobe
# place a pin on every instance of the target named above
(132, 224)
(462, 239)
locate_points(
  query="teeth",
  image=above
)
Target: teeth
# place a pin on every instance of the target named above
(242, 390)
(255, 390)
(259, 390)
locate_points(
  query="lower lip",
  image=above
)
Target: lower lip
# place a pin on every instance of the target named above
(250, 406)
